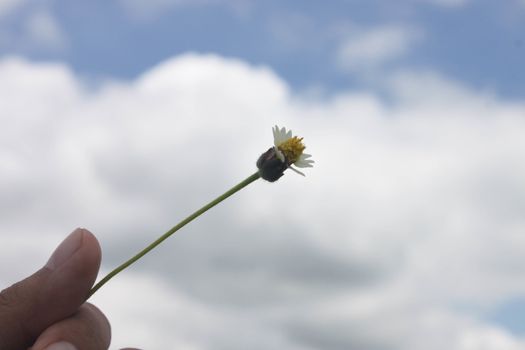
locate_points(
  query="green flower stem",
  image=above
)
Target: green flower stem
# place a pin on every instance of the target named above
(174, 229)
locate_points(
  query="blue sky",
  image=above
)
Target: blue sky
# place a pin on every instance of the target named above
(481, 43)
(408, 232)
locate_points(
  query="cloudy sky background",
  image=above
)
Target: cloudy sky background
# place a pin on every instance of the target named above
(125, 116)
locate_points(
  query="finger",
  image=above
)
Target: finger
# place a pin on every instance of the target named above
(51, 294)
(87, 329)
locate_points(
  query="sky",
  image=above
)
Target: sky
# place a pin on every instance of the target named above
(125, 116)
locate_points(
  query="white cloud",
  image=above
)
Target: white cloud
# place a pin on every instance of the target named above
(7, 6)
(147, 9)
(176, 320)
(448, 3)
(408, 229)
(141, 7)
(488, 338)
(43, 30)
(370, 49)
(37, 30)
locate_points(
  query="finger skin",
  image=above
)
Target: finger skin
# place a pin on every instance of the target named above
(53, 293)
(87, 329)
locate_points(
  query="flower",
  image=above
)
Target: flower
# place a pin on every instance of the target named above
(287, 151)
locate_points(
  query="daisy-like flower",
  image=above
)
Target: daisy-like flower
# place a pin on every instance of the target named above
(287, 151)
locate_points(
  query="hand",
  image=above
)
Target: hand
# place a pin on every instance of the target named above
(47, 311)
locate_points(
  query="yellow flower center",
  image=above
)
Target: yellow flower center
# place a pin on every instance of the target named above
(292, 149)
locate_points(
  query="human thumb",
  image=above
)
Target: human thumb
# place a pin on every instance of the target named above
(51, 294)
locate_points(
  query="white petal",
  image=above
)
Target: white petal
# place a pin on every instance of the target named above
(283, 135)
(279, 135)
(280, 154)
(304, 164)
(276, 133)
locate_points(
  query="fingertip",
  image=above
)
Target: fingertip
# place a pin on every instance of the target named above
(92, 247)
(89, 237)
(79, 271)
(101, 320)
(79, 240)
(52, 293)
(88, 328)
(68, 286)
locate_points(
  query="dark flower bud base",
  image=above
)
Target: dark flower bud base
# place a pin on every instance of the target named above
(271, 168)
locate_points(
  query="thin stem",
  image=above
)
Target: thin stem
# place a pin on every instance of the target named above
(174, 229)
